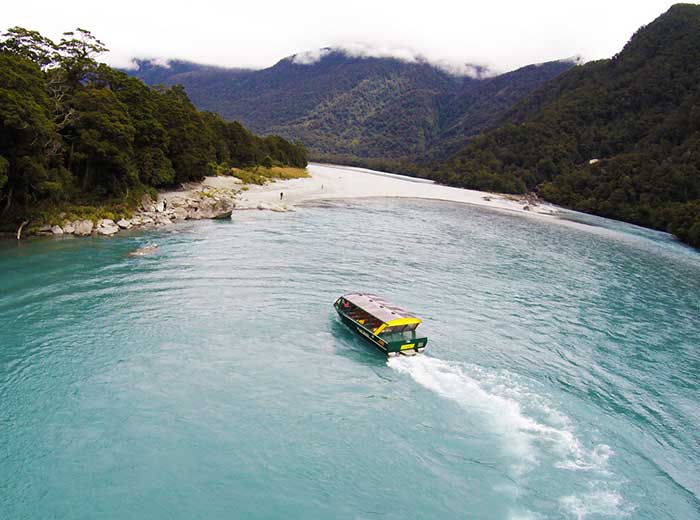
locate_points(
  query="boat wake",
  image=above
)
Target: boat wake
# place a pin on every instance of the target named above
(529, 428)
(526, 422)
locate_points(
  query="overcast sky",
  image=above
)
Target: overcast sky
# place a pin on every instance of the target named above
(503, 35)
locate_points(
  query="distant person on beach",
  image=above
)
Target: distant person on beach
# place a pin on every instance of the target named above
(281, 195)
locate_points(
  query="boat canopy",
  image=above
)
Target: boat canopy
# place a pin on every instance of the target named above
(387, 313)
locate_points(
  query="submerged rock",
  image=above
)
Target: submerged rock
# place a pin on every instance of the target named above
(143, 251)
(273, 207)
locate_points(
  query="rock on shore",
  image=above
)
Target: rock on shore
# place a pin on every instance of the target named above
(82, 227)
(205, 203)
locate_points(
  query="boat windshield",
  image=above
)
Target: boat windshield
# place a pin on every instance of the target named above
(396, 333)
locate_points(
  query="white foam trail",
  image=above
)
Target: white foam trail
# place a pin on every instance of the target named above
(523, 515)
(509, 409)
(599, 503)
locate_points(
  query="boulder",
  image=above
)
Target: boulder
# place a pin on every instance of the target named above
(160, 207)
(56, 230)
(177, 202)
(68, 228)
(105, 222)
(82, 227)
(107, 226)
(124, 224)
(108, 229)
(213, 208)
(147, 203)
(163, 220)
(180, 213)
(45, 230)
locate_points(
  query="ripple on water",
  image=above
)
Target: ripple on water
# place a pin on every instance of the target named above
(213, 376)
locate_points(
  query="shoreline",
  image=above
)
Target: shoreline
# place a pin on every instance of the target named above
(220, 197)
(334, 182)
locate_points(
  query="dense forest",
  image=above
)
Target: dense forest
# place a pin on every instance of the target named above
(73, 130)
(357, 109)
(618, 138)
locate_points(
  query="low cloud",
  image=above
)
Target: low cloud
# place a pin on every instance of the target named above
(310, 57)
(363, 50)
(135, 63)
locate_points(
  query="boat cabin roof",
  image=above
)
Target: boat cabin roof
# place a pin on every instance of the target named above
(381, 309)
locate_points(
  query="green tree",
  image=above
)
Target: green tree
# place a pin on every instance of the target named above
(74, 130)
(25, 130)
(102, 139)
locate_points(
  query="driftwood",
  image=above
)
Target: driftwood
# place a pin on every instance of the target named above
(19, 230)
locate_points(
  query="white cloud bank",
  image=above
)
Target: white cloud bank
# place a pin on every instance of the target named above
(500, 34)
(363, 50)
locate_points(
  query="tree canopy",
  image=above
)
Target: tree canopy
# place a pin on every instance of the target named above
(74, 129)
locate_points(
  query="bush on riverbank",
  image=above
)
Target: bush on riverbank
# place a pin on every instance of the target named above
(261, 175)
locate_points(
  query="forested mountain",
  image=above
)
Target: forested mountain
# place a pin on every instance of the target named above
(619, 138)
(73, 130)
(344, 105)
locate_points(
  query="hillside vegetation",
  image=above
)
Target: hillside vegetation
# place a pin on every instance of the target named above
(618, 138)
(346, 108)
(76, 132)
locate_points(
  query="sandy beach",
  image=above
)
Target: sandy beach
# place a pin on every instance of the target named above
(328, 182)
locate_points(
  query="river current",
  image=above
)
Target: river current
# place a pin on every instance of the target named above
(213, 379)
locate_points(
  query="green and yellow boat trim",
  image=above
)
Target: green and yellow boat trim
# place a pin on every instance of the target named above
(387, 326)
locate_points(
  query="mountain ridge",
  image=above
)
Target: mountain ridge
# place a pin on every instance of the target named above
(618, 138)
(359, 106)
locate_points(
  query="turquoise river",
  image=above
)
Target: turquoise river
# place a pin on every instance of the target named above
(213, 380)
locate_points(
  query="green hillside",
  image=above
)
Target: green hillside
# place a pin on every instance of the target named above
(618, 138)
(348, 107)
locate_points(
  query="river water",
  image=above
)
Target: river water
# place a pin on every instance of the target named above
(213, 379)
